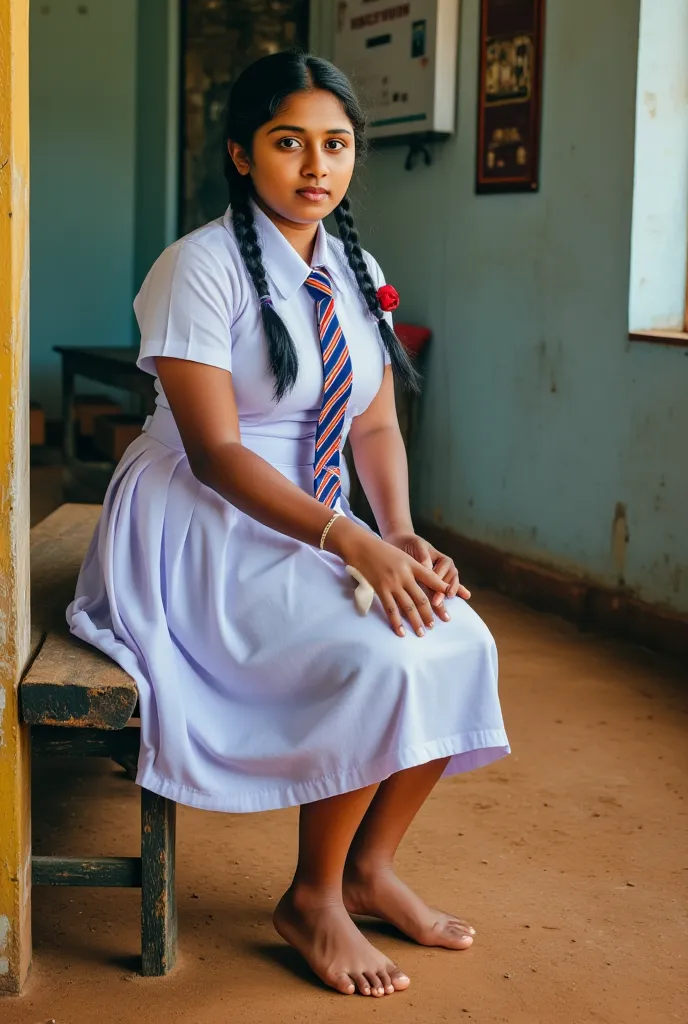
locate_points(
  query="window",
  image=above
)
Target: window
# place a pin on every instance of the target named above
(659, 243)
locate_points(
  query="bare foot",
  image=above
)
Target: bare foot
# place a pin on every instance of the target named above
(379, 893)
(319, 927)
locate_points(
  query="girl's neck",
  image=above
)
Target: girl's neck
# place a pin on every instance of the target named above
(300, 236)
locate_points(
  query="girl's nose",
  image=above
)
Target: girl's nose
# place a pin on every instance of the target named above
(315, 165)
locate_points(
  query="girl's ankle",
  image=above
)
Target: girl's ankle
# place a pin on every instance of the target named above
(362, 868)
(306, 894)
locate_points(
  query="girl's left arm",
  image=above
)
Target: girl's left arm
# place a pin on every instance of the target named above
(381, 463)
(382, 467)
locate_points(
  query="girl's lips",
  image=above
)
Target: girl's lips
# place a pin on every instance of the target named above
(315, 195)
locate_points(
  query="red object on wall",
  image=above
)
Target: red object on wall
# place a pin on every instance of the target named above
(413, 338)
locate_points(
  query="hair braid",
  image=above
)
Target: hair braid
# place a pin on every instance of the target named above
(281, 349)
(401, 364)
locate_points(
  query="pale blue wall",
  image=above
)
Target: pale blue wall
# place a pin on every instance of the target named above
(83, 122)
(539, 416)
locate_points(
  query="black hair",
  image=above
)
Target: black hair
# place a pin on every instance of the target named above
(255, 99)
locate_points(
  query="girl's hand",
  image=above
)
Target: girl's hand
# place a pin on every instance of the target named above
(442, 565)
(394, 574)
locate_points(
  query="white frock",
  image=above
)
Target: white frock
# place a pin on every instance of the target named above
(260, 685)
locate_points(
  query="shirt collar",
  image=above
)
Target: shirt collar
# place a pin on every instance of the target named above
(283, 265)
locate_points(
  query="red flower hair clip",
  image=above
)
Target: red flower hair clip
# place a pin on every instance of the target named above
(388, 297)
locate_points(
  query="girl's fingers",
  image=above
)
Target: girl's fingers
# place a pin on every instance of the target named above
(450, 575)
(392, 609)
(430, 578)
(409, 610)
(422, 603)
(457, 588)
(443, 565)
(408, 601)
(446, 570)
(453, 581)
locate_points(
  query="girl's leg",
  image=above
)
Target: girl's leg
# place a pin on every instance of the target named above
(311, 915)
(370, 885)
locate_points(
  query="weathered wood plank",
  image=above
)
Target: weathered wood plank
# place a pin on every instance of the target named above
(68, 683)
(67, 520)
(72, 684)
(58, 546)
(119, 872)
(158, 897)
(48, 740)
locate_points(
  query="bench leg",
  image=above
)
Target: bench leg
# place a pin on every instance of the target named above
(158, 895)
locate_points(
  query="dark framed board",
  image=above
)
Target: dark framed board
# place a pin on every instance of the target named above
(510, 95)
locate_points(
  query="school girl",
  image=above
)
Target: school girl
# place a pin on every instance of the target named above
(217, 574)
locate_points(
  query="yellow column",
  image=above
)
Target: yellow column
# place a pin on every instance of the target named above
(15, 823)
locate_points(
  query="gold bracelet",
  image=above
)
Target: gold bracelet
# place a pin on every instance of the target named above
(327, 529)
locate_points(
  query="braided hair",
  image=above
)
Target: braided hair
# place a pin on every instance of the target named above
(401, 364)
(255, 99)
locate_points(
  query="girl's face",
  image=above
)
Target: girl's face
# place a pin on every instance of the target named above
(302, 160)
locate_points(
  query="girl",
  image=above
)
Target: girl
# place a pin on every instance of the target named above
(217, 575)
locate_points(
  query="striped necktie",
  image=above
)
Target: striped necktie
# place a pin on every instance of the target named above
(338, 379)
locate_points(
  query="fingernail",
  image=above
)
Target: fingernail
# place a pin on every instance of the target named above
(446, 616)
(431, 625)
(402, 631)
(421, 631)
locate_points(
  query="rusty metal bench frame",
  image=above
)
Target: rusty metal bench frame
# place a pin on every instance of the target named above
(79, 703)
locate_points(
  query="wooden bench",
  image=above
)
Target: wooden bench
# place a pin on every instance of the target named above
(78, 702)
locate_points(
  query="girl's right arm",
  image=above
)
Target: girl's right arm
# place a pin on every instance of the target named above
(203, 404)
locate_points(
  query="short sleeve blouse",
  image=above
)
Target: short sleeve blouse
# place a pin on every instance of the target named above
(198, 303)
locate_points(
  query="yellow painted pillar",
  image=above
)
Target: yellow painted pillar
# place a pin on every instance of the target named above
(15, 822)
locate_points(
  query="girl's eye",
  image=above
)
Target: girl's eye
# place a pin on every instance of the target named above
(290, 143)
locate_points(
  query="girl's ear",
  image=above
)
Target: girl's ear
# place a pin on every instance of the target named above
(239, 157)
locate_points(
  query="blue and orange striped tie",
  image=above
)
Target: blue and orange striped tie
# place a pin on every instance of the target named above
(338, 380)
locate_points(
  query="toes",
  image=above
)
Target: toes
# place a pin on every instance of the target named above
(386, 981)
(362, 984)
(459, 936)
(377, 987)
(342, 983)
(399, 980)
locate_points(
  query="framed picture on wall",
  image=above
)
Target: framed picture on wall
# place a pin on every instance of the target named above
(510, 95)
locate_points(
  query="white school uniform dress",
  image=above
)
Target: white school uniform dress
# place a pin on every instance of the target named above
(260, 684)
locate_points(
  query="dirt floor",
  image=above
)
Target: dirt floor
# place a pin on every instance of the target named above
(569, 857)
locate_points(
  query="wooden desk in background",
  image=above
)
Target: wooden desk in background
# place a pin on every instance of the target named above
(115, 367)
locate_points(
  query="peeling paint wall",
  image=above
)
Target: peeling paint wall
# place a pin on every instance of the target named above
(539, 418)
